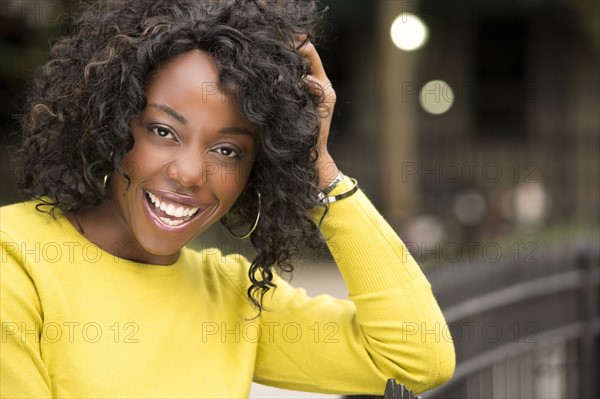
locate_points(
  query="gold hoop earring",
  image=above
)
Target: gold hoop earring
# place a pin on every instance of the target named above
(253, 226)
(105, 180)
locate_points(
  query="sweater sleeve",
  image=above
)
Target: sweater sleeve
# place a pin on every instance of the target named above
(22, 371)
(391, 327)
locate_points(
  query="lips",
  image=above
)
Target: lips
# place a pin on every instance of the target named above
(170, 212)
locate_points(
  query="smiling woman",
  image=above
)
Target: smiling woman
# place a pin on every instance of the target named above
(192, 139)
(149, 123)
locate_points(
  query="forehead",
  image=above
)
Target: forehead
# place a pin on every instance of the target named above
(189, 84)
(192, 68)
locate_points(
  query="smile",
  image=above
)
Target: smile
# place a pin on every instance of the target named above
(170, 213)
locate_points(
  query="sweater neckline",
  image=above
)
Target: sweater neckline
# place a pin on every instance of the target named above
(100, 255)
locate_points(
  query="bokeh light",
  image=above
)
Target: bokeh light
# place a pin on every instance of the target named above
(470, 208)
(436, 97)
(409, 32)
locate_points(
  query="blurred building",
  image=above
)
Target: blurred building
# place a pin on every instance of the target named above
(483, 153)
(490, 128)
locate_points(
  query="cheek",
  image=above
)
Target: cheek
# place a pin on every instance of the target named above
(141, 162)
(131, 166)
(228, 182)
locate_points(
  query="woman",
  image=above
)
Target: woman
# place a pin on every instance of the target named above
(149, 123)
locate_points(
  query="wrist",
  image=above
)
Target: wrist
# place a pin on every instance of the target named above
(341, 188)
(331, 187)
(327, 170)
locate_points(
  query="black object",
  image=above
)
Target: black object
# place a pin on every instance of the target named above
(395, 391)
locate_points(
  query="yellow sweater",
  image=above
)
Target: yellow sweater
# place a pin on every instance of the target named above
(77, 322)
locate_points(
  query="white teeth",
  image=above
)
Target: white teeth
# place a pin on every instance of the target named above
(174, 210)
(171, 222)
(154, 200)
(170, 210)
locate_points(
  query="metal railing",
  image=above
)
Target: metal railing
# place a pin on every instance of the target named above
(523, 330)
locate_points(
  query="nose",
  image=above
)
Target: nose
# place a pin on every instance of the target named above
(188, 168)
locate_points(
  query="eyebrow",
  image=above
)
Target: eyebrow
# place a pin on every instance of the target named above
(170, 111)
(238, 130)
(181, 119)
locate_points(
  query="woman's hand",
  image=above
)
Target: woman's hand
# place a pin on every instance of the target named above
(326, 166)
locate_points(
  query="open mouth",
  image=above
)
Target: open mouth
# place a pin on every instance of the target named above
(170, 213)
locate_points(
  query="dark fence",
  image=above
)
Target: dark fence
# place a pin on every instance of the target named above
(524, 328)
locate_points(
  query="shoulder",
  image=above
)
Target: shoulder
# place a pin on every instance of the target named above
(25, 217)
(20, 220)
(31, 222)
(13, 212)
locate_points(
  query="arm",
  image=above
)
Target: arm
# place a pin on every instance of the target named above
(391, 328)
(22, 371)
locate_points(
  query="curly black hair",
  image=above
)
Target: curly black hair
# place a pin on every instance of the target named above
(76, 128)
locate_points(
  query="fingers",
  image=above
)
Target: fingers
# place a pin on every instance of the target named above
(322, 90)
(309, 52)
(317, 72)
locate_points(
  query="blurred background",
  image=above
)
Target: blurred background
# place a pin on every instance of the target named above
(474, 127)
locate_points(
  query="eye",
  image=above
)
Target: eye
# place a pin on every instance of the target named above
(228, 152)
(162, 132)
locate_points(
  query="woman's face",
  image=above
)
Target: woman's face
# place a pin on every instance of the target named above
(192, 157)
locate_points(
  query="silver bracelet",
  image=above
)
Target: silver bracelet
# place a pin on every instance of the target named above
(323, 194)
(334, 198)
